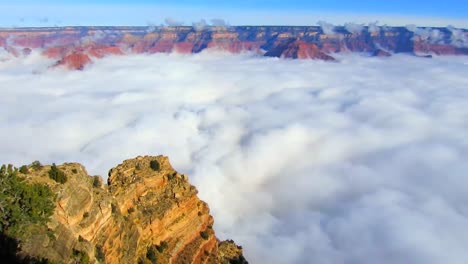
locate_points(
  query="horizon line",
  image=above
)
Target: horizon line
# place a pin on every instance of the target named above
(212, 26)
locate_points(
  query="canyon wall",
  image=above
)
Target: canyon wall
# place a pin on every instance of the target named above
(75, 47)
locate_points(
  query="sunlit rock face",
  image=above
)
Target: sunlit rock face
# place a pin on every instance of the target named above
(147, 207)
(85, 44)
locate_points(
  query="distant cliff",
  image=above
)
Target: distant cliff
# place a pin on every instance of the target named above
(75, 47)
(148, 213)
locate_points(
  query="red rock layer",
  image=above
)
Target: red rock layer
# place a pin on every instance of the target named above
(299, 50)
(74, 61)
(286, 42)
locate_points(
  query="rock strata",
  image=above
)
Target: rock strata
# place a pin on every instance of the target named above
(293, 42)
(147, 213)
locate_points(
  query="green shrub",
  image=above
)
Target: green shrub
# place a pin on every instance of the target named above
(154, 164)
(75, 171)
(172, 176)
(10, 169)
(151, 255)
(162, 246)
(139, 166)
(51, 234)
(22, 204)
(24, 169)
(97, 182)
(81, 257)
(36, 165)
(99, 254)
(57, 174)
(205, 235)
(114, 208)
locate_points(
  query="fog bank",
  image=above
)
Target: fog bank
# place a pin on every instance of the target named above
(361, 161)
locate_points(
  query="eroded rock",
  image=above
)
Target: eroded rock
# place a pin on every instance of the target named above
(147, 213)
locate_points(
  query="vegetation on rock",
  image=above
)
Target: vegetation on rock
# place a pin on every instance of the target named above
(154, 164)
(97, 182)
(161, 247)
(100, 254)
(80, 257)
(57, 174)
(36, 165)
(24, 209)
(151, 254)
(24, 169)
(204, 234)
(22, 204)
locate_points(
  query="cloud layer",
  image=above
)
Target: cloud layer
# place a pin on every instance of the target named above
(361, 161)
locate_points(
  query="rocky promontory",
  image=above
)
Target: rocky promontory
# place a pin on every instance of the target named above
(147, 213)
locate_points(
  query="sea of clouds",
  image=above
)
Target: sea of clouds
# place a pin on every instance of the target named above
(301, 161)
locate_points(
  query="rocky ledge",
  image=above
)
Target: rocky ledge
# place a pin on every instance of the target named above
(147, 213)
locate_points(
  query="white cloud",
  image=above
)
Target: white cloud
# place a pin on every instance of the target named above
(5, 55)
(95, 37)
(218, 22)
(373, 27)
(354, 28)
(171, 22)
(360, 161)
(151, 27)
(200, 25)
(433, 36)
(458, 38)
(327, 28)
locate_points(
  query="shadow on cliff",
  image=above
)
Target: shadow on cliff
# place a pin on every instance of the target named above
(9, 253)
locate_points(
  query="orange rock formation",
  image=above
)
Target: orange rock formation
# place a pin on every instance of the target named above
(148, 213)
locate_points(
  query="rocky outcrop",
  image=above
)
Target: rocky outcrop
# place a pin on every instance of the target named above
(296, 42)
(74, 61)
(296, 49)
(148, 213)
(381, 53)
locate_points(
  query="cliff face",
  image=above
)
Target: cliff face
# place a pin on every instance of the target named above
(286, 42)
(148, 213)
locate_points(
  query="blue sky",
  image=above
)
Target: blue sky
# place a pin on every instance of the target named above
(240, 12)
